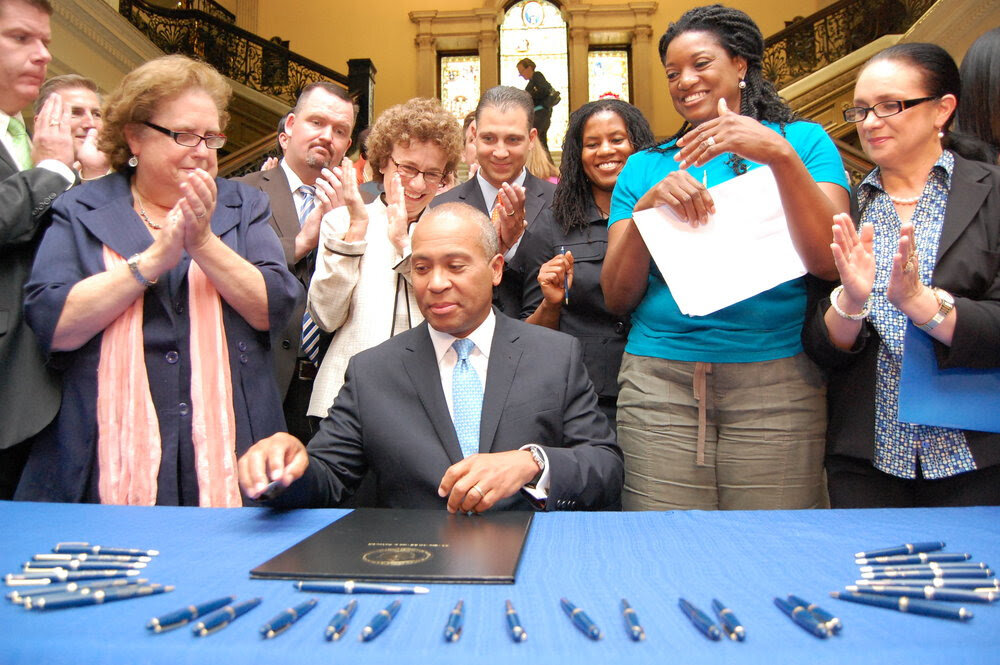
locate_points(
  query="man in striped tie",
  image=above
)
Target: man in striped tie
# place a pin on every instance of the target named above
(469, 411)
(319, 134)
(32, 175)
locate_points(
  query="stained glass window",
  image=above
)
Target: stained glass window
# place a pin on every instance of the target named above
(460, 84)
(535, 29)
(608, 75)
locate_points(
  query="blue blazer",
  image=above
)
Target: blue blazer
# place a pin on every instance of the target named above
(62, 464)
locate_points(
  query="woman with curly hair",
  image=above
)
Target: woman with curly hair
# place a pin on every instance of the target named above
(361, 288)
(569, 246)
(722, 411)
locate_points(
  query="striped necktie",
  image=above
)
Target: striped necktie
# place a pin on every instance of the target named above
(467, 398)
(19, 141)
(310, 331)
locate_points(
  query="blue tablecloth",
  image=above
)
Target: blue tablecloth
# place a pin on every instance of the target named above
(594, 559)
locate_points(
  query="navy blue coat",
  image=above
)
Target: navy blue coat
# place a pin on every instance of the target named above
(62, 466)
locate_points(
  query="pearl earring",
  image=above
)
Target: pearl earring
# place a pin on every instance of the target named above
(940, 134)
(743, 84)
(133, 161)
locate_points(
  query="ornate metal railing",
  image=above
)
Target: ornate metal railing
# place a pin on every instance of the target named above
(267, 66)
(811, 43)
(212, 8)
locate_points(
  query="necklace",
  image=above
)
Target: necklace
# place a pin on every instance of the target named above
(904, 202)
(142, 212)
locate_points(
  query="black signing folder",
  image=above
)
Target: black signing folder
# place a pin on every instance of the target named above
(396, 545)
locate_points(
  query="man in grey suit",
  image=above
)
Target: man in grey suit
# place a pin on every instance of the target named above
(318, 133)
(502, 188)
(469, 410)
(32, 175)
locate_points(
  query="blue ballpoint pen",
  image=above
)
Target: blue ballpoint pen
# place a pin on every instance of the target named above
(18, 596)
(64, 600)
(224, 617)
(562, 250)
(453, 629)
(338, 624)
(906, 604)
(958, 565)
(700, 620)
(284, 619)
(803, 617)
(514, 625)
(981, 583)
(350, 586)
(87, 548)
(581, 620)
(935, 557)
(81, 565)
(184, 615)
(969, 573)
(42, 578)
(908, 548)
(92, 557)
(632, 625)
(729, 622)
(379, 622)
(930, 593)
(831, 622)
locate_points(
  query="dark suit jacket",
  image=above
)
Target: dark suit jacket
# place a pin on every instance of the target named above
(391, 417)
(29, 392)
(538, 199)
(285, 222)
(968, 267)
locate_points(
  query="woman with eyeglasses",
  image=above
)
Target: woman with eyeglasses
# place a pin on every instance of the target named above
(155, 292)
(927, 258)
(361, 288)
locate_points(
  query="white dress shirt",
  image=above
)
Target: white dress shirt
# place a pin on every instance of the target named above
(490, 194)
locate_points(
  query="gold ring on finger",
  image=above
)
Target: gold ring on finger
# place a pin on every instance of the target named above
(478, 489)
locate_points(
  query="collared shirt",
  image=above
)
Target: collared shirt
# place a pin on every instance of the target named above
(294, 182)
(53, 165)
(942, 452)
(479, 358)
(490, 194)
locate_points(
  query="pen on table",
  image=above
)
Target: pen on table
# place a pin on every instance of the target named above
(87, 548)
(283, 620)
(956, 565)
(936, 557)
(632, 625)
(41, 578)
(184, 615)
(514, 625)
(803, 617)
(224, 617)
(701, 621)
(562, 250)
(19, 596)
(82, 565)
(350, 586)
(969, 573)
(379, 622)
(907, 548)
(91, 557)
(929, 593)
(63, 600)
(832, 623)
(581, 620)
(453, 629)
(338, 624)
(982, 583)
(729, 622)
(906, 604)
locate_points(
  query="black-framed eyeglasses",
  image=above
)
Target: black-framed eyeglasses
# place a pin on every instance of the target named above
(432, 178)
(882, 109)
(189, 140)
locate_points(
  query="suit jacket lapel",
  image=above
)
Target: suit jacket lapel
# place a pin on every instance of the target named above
(420, 363)
(968, 191)
(472, 194)
(8, 160)
(504, 358)
(275, 184)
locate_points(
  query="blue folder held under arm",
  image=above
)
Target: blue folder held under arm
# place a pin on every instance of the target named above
(961, 398)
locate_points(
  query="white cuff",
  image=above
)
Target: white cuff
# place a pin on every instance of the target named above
(56, 166)
(541, 488)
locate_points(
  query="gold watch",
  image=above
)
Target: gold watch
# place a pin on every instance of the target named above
(946, 303)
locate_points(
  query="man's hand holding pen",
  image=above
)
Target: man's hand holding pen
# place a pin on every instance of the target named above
(272, 464)
(478, 482)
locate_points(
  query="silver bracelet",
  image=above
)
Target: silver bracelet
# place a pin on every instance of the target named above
(133, 266)
(835, 294)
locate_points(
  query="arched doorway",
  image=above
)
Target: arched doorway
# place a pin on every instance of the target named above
(535, 29)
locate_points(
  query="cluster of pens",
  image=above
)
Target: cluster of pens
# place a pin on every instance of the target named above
(579, 618)
(727, 620)
(78, 574)
(912, 577)
(810, 616)
(377, 624)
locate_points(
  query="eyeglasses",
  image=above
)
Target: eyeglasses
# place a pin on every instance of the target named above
(189, 140)
(882, 109)
(432, 178)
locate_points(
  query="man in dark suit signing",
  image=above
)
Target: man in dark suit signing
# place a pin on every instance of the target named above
(318, 134)
(468, 411)
(502, 188)
(32, 175)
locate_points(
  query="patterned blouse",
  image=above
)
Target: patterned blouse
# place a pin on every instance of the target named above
(941, 452)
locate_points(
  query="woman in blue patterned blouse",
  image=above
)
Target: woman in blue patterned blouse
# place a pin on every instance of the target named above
(928, 252)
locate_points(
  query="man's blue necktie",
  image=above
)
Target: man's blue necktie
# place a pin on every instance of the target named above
(310, 331)
(467, 398)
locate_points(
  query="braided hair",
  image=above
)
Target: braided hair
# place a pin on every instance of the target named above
(573, 196)
(739, 36)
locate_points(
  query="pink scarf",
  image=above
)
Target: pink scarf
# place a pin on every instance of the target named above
(128, 432)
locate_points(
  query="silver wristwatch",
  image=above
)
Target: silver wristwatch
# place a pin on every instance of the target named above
(946, 303)
(536, 454)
